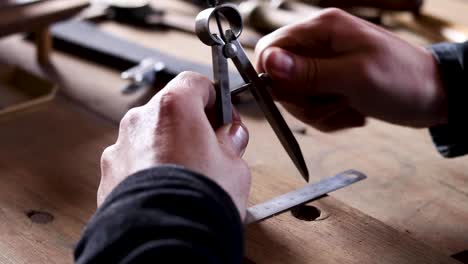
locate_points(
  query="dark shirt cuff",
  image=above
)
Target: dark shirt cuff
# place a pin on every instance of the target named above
(164, 213)
(451, 139)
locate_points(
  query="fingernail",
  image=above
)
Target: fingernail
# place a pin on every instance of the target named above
(280, 64)
(240, 138)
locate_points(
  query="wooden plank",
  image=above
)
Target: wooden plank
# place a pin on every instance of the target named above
(37, 16)
(338, 238)
(49, 160)
(56, 171)
(410, 187)
(21, 90)
(335, 237)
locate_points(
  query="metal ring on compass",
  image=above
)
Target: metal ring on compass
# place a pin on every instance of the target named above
(202, 25)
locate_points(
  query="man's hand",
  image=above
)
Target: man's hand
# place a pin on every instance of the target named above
(175, 128)
(333, 70)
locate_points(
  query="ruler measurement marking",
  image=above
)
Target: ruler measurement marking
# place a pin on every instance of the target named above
(301, 196)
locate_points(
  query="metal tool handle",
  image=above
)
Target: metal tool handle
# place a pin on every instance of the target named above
(221, 84)
(220, 64)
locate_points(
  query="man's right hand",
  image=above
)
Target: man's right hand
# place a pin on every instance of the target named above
(334, 70)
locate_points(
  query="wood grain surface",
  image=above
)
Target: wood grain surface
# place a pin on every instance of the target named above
(49, 160)
(416, 193)
(50, 171)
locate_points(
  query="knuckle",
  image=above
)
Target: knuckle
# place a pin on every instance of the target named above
(107, 152)
(200, 80)
(185, 74)
(106, 158)
(170, 103)
(332, 15)
(130, 119)
(333, 19)
(340, 22)
(188, 73)
(187, 80)
(188, 77)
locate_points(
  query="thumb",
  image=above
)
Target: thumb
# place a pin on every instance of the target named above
(233, 137)
(301, 75)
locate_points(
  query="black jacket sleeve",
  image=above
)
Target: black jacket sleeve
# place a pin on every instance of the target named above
(452, 139)
(164, 215)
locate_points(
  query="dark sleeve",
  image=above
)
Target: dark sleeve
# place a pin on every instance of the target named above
(166, 215)
(452, 139)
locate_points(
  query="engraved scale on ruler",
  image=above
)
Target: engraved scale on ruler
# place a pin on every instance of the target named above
(301, 196)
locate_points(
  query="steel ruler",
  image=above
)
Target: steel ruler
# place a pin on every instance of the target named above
(301, 196)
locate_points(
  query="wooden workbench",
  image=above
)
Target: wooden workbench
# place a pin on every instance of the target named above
(412, 209)
(37, 18)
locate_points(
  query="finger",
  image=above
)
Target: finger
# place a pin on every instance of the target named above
(312, 113)
(234, 137)
(106, 157)
(182, 106)
(324, 35)
(241, 144)
(213, 116)
(306, 76)
(344, 119)
(192, 90)
(306, 38)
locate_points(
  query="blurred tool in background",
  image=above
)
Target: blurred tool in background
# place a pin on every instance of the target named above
(14, 3)
(261, 17)
(413, 6)
(389, 5)
(266, 16)
(141, 13)
(143, 66)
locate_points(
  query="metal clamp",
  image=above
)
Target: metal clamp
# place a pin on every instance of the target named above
(142, 75)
